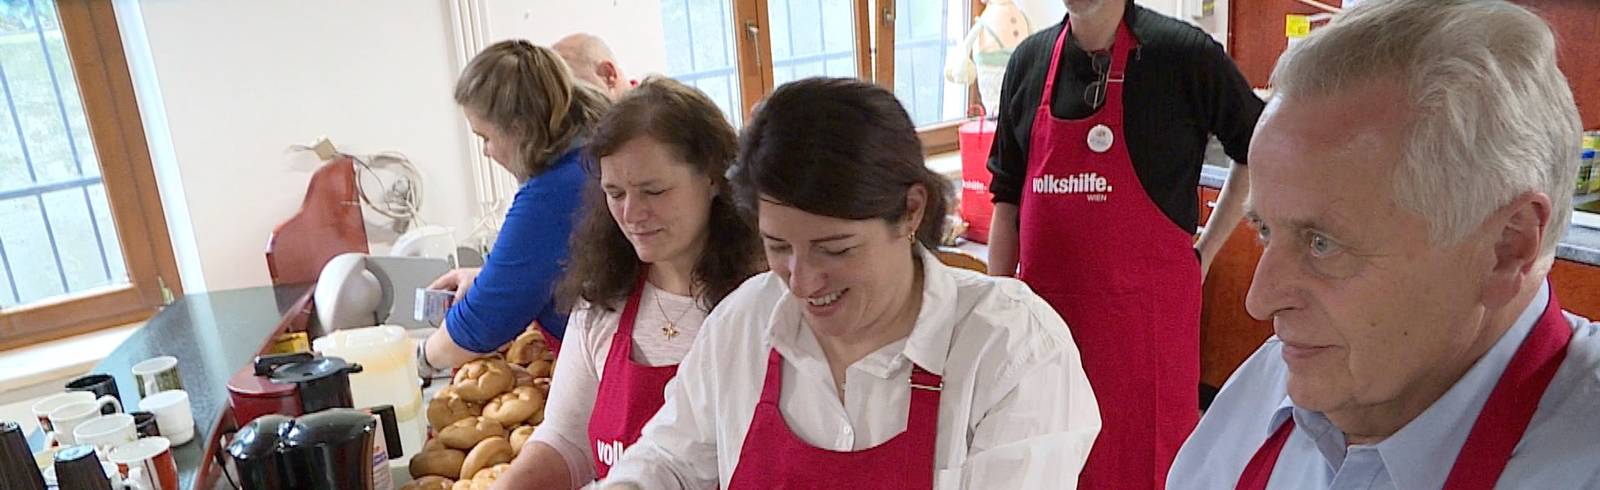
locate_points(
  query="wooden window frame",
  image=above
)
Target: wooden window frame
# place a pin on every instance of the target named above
(875, 54)
(100, 67)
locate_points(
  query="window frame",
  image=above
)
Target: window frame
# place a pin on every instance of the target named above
(100, 68)
(875, 52)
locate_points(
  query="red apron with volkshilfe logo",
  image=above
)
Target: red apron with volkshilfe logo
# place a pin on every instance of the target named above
(1124, 277)
(1505, 416)
(774, 458)
(629, 394)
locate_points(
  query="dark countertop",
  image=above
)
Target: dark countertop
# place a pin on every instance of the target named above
(213, 335)
(1581, 243)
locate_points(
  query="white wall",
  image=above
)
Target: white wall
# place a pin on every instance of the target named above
(227, 85)
(631, 27)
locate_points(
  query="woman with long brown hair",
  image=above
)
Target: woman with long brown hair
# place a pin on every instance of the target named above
(533, 120)
(860, 361)
(661, 243)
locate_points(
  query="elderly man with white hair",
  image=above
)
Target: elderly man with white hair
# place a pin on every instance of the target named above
(1411, 176)
(591, 61)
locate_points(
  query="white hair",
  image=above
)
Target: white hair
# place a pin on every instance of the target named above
(1493, 116)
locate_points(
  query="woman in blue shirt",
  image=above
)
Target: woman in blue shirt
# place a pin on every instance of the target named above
(520, 99)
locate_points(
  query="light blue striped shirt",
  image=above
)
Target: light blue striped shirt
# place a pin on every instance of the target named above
(1560, 450)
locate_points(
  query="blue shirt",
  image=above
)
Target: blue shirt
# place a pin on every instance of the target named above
(1561, 448)
(517, 284)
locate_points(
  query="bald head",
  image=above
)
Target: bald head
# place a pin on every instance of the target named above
(592, 62)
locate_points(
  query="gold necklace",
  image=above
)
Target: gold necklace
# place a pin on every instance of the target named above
(671, 328)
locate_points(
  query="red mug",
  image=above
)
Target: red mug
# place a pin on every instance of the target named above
(146, 464)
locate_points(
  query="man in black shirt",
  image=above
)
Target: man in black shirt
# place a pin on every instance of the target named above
(1096, 207)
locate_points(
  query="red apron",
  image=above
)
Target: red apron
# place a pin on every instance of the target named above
(1122, 275)
(774, 458)
(629, 394)
(1500, 425)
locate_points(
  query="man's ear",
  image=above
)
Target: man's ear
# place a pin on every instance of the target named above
(1519, 228)
(607, 71)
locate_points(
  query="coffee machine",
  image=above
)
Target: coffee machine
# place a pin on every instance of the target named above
(331, 449)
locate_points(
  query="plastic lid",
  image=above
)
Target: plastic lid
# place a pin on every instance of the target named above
(245, 383)
(313, 370)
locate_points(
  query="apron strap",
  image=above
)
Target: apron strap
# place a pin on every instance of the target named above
(1125, 43)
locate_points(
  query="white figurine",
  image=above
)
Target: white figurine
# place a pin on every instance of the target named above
(983, 55)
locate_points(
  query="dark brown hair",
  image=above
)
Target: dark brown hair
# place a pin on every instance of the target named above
(604, 265)
(526, 91)
(841, 148)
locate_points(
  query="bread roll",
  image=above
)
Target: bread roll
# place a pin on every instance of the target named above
(514, 407)
(519, 437)
(447, 407)
(490, 452)
(483, 379)
(429, 482)
(438, 462)
(468, 432)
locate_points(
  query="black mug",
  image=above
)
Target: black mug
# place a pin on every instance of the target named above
(145, 424)
(78, 468)
(100, 385)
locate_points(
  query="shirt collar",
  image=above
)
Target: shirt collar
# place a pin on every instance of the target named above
(1421, 454)
(927, 346)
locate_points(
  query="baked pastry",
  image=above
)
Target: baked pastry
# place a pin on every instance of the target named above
(541, 368)
(430, 482)
(518, 437)
(480, 380)
(490, 452)
(468, 432)
(487, 476)
(447, 407)
(527, 348)
(438, 462)
(514, 407)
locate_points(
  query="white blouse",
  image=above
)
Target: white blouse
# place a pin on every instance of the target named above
(1016, 410)
(583, 360)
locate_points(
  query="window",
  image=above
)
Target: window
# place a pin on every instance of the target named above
(737, 51)
(82, 240)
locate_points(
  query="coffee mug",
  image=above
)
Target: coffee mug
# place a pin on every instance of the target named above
(41, 409)
(99, 384)
(80, 467)
(148, 463)
(105, 431)
(156, 374)
(66, 418)
(145, 424)
(174, 417)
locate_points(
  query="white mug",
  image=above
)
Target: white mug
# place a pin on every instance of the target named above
(156, 374)
(106, 431)
(41, 409)
(66, 418)
(174, 417)
(148, 462)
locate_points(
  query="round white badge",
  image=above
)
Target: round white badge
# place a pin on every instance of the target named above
(1100, 138)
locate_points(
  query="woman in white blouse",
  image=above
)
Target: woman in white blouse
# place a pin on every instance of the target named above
(860, 361)
(659, 245)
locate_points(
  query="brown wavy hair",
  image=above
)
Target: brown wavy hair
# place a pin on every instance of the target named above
(604, 264)
(841, 148)
(527, 91)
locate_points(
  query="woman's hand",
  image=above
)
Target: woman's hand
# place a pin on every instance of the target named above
(458, 280)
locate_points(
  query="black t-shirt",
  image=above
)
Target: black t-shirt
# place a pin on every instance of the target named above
(1181, 88)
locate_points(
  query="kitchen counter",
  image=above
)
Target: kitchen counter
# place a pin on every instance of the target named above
(213, 335)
